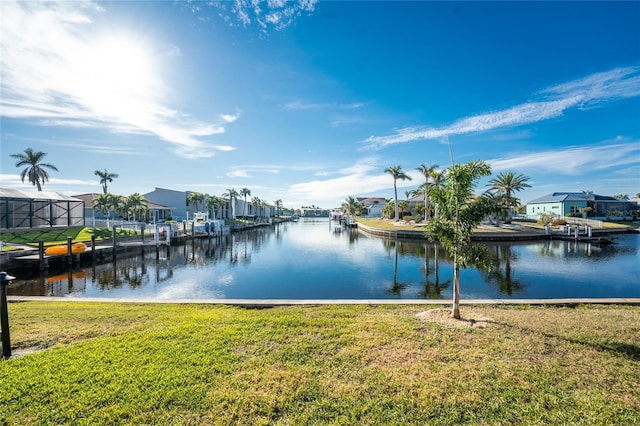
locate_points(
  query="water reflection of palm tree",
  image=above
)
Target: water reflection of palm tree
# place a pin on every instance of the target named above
(397, 287)
(433, 289)
(501, 273)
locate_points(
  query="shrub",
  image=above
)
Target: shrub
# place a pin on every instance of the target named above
(407, 218)
(559, 222)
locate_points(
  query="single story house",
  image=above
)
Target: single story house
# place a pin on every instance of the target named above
(373, 205)
(155, 212)
(581, 204)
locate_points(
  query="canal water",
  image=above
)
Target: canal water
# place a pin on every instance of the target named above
(317, 259)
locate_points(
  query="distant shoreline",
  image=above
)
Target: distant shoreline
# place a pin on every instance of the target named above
(512, 235)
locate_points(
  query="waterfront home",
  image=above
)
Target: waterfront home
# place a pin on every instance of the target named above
(154, 212)
(580, 204)
(373, 205)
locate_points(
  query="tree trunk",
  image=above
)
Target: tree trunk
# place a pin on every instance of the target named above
(455, 311)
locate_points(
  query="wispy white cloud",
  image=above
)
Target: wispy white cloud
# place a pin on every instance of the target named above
(587, 92)
(364, 177)
(302, 105)
(59, 69)
(14, 181)
(265, 15)
(577, 160)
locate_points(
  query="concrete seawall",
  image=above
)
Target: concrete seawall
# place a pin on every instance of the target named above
(481, 236)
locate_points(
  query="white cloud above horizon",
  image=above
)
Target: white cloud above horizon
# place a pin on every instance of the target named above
(574, 160)
(59, 69)
(586, 92)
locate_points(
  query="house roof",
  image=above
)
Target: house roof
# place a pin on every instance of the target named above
(558, 197)
(369, 201)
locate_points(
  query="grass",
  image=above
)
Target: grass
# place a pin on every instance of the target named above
(55, 236)
(364, 365)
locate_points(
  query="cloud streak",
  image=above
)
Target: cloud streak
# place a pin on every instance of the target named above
(577, 160)
(588, 92)
(364, 177)
(58, 70)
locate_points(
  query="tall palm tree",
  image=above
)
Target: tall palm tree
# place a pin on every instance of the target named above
(397, 173)
(506, 184)
(436, 181)
(426, 171)
(232, 194)
(35, 169)
(245, 192)
(105, 177)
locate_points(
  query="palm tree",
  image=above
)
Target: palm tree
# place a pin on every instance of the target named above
(352, 206)
(255, 201)
(136, 203)
(105, 177)
(213, 202)
(436, 177)
(460, 213)
(245, 192)
(195, 198)
(103, 203)
(232, 194)
(397, 173)
(506, 184)
(278, 203)
(426, 171)
(35, 168)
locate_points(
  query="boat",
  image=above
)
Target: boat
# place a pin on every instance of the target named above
(63, 249)
(203, 225)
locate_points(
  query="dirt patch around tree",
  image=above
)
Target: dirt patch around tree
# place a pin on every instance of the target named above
(442, 316)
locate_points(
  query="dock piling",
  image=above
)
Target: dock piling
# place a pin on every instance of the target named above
(41, 255)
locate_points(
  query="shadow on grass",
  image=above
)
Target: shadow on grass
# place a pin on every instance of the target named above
(47, 235)
(100, 233)
(626, 350)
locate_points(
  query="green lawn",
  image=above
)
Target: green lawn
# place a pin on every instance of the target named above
(54, 236)
(362, 365)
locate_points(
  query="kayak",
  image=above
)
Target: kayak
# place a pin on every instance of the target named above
(75, 249)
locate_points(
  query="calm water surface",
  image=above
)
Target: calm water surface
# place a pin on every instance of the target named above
(316, 259)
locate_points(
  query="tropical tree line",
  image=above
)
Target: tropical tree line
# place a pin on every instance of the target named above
(500, 192)
(133, 207)
(214, 204)
(36, 171)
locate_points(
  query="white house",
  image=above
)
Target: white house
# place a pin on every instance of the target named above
(373, 205)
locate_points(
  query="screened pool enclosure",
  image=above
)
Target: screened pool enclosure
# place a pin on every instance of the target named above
(38, 209)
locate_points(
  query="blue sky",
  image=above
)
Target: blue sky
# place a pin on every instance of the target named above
(309, 101)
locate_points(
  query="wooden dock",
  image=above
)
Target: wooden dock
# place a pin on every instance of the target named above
(99, 251)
